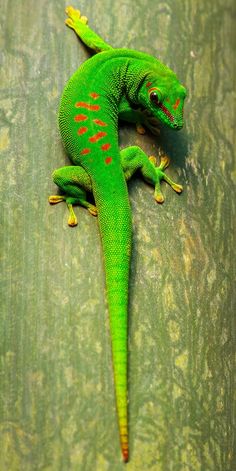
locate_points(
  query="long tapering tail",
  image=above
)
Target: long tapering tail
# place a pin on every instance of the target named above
(115, 226)
(79, 24)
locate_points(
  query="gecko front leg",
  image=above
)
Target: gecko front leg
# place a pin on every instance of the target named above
(133, 158)
(142, 118)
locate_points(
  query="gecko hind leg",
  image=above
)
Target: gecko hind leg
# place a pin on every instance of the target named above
(74, 183)
(133, 158)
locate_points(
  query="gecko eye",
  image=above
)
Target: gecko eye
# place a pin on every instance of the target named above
(155, 98)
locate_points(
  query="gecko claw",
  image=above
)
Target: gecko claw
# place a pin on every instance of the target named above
(84, 20)
(72, 220)
(153, 159)
(93, 210)
(165, 162)
(74, 17)
(159, 197)
(72, 12)
(54, 199)
(140, 129)
(69, 22)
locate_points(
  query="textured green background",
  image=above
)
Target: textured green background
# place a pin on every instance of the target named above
(57, 410)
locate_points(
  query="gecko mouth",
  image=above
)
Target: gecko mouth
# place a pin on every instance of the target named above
(174, 123)
(171, 119)
(156, 123)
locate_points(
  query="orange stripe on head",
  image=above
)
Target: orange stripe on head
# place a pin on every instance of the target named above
(176, 105)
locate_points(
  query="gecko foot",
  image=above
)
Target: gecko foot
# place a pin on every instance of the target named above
(54, 199)
(161, 175)
(92, 210)
(150, 122)
(72, 220)
(140, 129)
(74, 16)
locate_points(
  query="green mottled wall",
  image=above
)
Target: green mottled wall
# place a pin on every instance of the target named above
(57, 409)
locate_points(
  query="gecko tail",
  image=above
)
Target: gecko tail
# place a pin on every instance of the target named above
(79, 24)
(114, 217)
(123, 429)
(125, 452)
(118, 327)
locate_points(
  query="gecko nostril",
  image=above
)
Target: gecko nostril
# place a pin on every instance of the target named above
(177, 126)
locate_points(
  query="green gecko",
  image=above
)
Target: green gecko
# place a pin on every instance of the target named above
(113, 84)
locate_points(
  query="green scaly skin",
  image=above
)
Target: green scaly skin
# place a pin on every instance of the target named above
(114, 83)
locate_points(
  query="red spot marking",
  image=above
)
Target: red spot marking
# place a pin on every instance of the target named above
(106, 146)
(108, 160)
(80, 117)
(82, 104)
(85, 151)
(94, 95)
(175, 106)
(152, 89)
(82, 130)
(99, 122)
(97, 136)
(148, 84)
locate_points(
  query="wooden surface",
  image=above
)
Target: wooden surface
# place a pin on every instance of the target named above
(57, 409)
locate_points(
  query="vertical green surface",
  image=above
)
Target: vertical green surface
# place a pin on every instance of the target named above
(57, 409)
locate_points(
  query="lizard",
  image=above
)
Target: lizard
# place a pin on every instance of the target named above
(113, 84)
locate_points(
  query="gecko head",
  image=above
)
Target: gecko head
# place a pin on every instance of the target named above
(164, 98)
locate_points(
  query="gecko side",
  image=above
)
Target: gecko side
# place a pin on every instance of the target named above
(113, 84)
